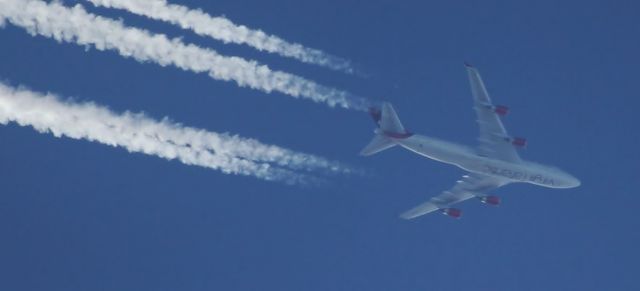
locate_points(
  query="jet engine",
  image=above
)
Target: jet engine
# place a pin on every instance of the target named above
(491, 200)
(498, 109)
(453, 212)
(519, 142)
(501, 110)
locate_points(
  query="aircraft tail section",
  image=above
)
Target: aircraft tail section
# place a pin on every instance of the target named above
(389, 130)
(389, 121)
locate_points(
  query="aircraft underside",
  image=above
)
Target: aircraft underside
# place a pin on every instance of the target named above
(494, 163)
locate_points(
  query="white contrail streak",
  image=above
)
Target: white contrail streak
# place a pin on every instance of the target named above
(75, 25)
(138, 133)
(223, 29)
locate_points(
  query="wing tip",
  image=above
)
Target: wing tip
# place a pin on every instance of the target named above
(467, 64)
(419, 210)
(406, 216)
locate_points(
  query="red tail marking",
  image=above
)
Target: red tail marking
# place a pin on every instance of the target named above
(376, 114)
(399, 135)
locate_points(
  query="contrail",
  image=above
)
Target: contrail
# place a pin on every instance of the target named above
(138, 133)
(75, 25)
(223, 29)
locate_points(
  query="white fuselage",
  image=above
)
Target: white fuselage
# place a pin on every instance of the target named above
(469, 159)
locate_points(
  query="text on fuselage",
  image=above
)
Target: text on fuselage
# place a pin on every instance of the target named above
(520, 176)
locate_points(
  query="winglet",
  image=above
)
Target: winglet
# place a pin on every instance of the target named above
(468, 65)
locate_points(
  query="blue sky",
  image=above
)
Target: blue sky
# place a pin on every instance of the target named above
(77, 215)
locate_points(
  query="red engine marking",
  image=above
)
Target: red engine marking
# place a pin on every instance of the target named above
(519, 142)
(453, 212)
(491, 200)
(501, 110)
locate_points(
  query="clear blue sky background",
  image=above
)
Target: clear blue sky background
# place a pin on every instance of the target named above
(76, 215)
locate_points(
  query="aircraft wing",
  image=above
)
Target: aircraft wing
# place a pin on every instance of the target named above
(494, 140)
(471, 185)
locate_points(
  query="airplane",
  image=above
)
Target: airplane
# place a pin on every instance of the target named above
(493, 164)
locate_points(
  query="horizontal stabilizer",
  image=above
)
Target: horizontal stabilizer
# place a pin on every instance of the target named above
(378, 143)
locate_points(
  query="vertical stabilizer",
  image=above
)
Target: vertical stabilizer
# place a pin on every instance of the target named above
(389, 130)
(389, 121)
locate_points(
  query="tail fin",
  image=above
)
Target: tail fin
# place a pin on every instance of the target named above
(389, 121)
(389, 129)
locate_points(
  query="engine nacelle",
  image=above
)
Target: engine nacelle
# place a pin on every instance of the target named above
(453, 212)
(517, 141)
(501, 110)
(498, 109)
(491, 200)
